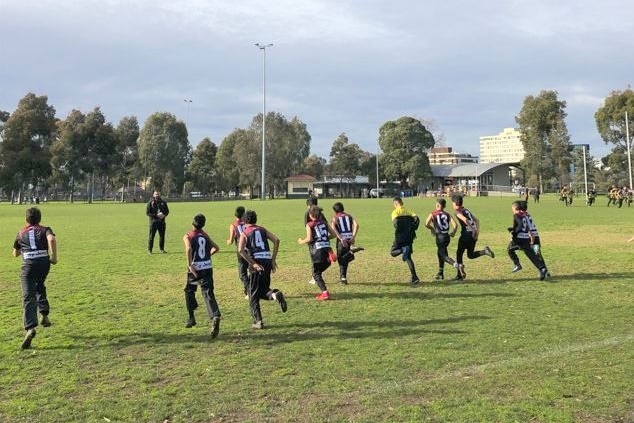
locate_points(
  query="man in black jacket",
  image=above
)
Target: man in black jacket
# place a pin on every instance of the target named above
(157, 211)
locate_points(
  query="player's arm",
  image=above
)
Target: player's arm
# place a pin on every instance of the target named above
(454, 225)
(308, 238)
(476, 227)
(167, 209)
(52, 247)
(232, 236)
(429, 223)
(242, 243)
(214, 247)
(188, 256)
(355, 230)
(16, 248)
(276, 247)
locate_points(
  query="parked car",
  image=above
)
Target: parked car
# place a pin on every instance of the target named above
(374, 193)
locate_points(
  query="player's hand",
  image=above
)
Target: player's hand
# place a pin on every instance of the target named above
(345, 243)
(273, 266)
(299, 240)
(257, 267)
(193, 271)
(53, 260)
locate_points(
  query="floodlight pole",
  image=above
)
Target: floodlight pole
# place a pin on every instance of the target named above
(585, 171)
(263, 47)
(629, 153)
(377, 169)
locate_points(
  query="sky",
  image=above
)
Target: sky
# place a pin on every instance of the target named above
(340, 66)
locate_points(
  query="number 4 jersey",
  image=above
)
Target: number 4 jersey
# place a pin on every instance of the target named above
(257, 243)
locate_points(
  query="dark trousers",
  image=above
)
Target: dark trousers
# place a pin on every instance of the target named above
(524, 245)
(34, 298)
(156, 225)
(344, 257)
(259, 288)
(318, 270)
(442, 242)
(205, 279)
(398, 250)
(243, 274)
(467, 243)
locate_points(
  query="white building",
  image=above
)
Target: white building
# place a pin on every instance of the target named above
(504, 147)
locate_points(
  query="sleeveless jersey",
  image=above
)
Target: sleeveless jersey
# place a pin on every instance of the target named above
(343, 224)
(257, 243)
(200, 249)
(441, 221)
(32, 242)
(319, 238)
(531, 225)
(238, 227)
(521, 226)
(464, 227)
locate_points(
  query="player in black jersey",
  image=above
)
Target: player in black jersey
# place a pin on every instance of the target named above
(235, 230)
(469, 232)
(522, 239)
(157, 210)
(318, 234)
(534, 238)
(345, 227)
(38, 248)
(254, 248)
(443, 226)
(199, 248)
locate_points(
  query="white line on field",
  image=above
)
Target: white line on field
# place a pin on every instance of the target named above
(481, 368)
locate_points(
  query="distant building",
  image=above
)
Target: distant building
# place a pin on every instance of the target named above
(299, 186)
(446, 156)
(504, 147)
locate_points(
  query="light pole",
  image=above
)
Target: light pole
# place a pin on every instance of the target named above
(629, 153)
(377, 170)
(263, 47)
(188, 101)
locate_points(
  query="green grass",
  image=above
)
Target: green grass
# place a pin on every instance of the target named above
(500, 347)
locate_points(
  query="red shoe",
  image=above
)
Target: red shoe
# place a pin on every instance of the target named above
(323, 296)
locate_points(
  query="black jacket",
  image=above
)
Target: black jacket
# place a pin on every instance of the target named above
(154, 206)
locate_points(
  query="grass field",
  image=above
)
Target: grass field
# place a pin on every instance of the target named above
(499, 347)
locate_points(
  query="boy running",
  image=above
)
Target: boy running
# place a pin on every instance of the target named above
(254, 248)
(469, 231)
(346, 228)
(522, 239)
(318, 234)
(199, 248)
(38, 248)
(443, 226)
(235, 230)
(405, 225)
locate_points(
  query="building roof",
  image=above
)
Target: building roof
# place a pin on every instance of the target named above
(465, 170)
(300, 178)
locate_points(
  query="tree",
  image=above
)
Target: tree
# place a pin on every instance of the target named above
(127, 135)
(164, 151)
(610, 119)
(405, 143)
(226, 164)
(26, 138)
(314, 166)
(68, 151)
(368, 167)
(545, 138)
(345, 159)
(100, 149)
(287, 145)
(202, 169)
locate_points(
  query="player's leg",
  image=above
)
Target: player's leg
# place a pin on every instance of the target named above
(207, 291)
(43, 306)
(511, 250)
(243, 274)
(161, 230)
(254, 299)
(153, 229)
(190, 299)
(318, 270)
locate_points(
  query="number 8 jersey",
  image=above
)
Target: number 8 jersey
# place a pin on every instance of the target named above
(200, 249)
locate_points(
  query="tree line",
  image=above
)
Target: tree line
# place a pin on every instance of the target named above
(40, 153)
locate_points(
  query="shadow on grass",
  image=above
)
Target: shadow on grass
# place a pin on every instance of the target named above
(418, 295)
(278, 333)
